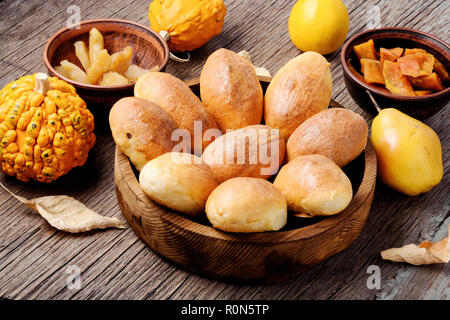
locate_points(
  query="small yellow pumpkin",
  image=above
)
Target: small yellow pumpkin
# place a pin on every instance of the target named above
(190, 23)
(45, 128)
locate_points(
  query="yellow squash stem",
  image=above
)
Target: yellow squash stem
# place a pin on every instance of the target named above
(42, 83)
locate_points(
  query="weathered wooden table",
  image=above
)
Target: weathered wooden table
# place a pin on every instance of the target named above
(36, 261)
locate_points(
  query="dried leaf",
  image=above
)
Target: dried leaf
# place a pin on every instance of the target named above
(68, 214)
(26, 202)
(425, 253)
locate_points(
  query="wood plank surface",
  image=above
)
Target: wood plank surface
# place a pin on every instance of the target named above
(114, 264)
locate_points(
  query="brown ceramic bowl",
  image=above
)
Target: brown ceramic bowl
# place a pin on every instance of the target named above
(149, 49)
(420, 107)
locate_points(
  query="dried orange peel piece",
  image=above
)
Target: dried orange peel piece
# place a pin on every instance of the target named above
(426, 252)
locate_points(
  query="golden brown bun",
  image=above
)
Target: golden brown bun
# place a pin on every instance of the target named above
(298, 91)
(254, 151)
(141, 129)
(246, 205)
(231, 91)
(175, 97)
(339, 134)
(179, 181)
(314, 185)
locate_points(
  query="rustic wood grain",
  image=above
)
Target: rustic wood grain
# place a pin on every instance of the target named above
(115, 264)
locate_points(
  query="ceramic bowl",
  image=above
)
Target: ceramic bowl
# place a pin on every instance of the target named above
(149, 49)
(420, 107)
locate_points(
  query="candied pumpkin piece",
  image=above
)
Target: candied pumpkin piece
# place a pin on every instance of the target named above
(422, 92)
(395, 81)
(371, 70)
(390, 55)
(438, 67)
(366, 50)
(414, 51)
(441, 71)
(431, 82)
(396, 51)
(416, 65)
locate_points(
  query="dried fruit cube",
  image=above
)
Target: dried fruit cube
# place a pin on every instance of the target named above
(395, 81)
(366, 50)
(431, 82)
(371, 70)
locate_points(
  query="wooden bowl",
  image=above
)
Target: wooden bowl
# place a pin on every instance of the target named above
(420, 107)
(259, 257)
(149, 49)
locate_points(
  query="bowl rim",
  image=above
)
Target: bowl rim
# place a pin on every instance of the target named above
(358, 82)
(96, 21)
(124, 170)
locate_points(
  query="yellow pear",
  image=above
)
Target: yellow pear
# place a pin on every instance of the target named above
(409, 152)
